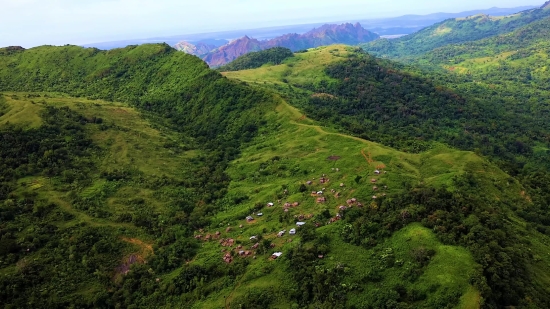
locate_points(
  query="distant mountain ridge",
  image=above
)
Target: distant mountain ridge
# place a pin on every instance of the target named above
(199, 48)
(454, 31)
(351, 34)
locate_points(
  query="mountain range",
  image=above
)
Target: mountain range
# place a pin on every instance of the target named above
(325, 35)
(400, 25)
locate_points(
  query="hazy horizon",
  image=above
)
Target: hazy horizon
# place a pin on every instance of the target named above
(31, 23)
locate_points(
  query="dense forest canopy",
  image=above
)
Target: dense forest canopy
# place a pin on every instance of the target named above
(254, 60)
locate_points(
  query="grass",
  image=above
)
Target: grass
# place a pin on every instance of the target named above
(129, 141)
(442, 30)
(302, 69)
(293, 150)
(289, 151)
(20, 112)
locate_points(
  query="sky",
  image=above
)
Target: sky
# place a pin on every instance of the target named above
(31, 23)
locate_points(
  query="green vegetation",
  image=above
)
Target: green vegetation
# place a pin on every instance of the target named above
(452, 31)
(140, 178)
(397, 105)
(254, 60)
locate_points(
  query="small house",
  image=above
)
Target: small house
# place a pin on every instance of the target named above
(292, 232)
(295, 204)
(321, 200)
(375, 188)
(270, 204)
(276, 255)
(254, 238)
(249, 218)
(377, 172)
(300, 223)
(260, 214)
(309, 183)
(319, 192)
(373, 180)
(281, 233)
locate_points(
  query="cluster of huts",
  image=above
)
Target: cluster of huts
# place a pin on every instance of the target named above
(228, 244)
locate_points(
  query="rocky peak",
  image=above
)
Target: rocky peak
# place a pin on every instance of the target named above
(351, 34)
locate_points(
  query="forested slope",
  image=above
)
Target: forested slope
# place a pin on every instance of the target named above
(89, 188)
(453, 31)
(153, 77)
(254, 60)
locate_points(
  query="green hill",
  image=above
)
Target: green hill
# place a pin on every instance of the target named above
(254, 60)
(138, 177)
(403, 106)
(119, 197)
(452, 31)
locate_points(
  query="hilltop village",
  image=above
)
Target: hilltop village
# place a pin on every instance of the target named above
(235, 242)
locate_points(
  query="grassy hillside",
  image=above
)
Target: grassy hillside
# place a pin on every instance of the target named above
(203, 111)
(402, 106)
(149, 183)
(136, 178)
(452, 31)
(342, 75)
(94, 188)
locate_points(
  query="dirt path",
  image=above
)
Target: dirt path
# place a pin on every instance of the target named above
(320, 130)
(367, 157)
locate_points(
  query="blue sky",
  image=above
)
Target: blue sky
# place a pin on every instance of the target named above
(36, 22)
